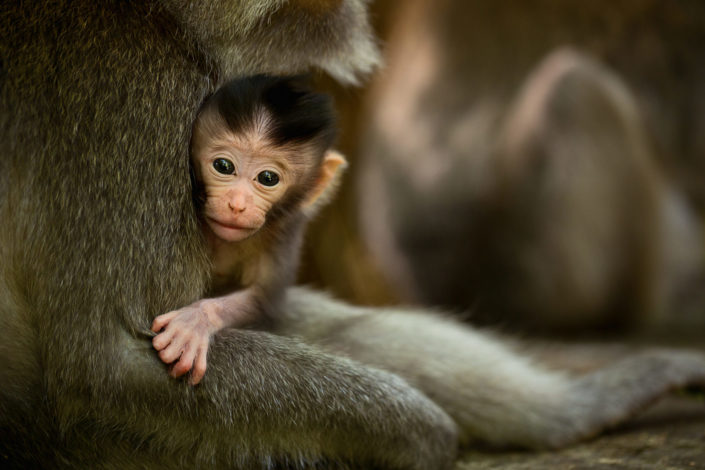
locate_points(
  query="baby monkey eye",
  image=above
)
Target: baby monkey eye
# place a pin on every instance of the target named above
(268, 178)
(224, 166)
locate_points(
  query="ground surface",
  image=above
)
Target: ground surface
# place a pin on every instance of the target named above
(669, 435)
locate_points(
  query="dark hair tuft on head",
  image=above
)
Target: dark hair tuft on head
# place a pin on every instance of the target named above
(297, 113)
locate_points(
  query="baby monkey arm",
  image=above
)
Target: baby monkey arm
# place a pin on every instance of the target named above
(183, 335)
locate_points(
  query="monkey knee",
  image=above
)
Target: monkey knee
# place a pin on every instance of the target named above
(430, 430)
(436, 439)
(442, 436)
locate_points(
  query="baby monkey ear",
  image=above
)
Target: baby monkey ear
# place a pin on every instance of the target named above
(329, 175)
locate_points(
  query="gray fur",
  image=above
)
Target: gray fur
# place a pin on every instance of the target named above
(99, 236)
(492, 393)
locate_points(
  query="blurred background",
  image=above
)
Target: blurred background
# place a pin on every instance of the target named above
(532, 165)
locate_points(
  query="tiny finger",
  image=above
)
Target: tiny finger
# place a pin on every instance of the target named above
(162, 340)
(171, 352)
(162, 320)
(199, 366)
(185, 363)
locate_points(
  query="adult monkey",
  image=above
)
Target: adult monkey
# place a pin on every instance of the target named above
(99, 236)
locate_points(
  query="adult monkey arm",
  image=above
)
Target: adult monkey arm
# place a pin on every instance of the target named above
(99, 236)
(331, 34)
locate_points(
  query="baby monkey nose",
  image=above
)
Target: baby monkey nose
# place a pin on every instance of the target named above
(238, 200)
(237, 206)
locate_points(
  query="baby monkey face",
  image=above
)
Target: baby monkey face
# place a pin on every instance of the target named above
(242, 179)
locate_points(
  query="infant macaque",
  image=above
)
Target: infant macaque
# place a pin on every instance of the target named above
(262, 165)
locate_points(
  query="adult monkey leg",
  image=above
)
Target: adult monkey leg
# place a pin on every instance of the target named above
(493, 394)
(265, 401)
(99, 236)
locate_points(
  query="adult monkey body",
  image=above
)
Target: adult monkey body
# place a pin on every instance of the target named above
(99, 236)
(98, 104)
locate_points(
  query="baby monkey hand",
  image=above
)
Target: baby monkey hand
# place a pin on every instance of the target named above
(183, 337)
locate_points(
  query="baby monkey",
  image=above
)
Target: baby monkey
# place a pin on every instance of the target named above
(262, 166)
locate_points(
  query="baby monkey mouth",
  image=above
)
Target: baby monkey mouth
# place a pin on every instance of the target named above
(232, 226)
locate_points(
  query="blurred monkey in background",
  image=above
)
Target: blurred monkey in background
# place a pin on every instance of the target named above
(556, 187)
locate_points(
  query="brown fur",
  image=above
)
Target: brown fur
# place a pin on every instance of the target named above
(570, 227)
(99, 235)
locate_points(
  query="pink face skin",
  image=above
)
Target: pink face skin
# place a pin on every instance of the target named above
(237, 173)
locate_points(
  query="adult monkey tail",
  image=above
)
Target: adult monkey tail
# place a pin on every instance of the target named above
(493, 394)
